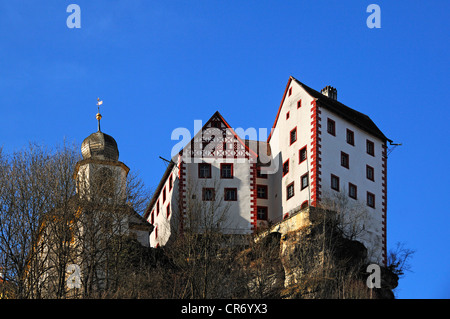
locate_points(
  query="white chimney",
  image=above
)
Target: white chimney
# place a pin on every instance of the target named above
(329, 91)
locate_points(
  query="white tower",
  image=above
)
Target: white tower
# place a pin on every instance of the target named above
(100, 173)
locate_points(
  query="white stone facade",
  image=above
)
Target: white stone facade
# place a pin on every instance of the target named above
(308, 166)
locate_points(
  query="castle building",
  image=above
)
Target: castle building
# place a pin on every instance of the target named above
(319, 152)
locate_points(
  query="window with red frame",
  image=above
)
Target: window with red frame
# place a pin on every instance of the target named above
(304, 181)
(290, 191)
(208, 194)
(261, 212)
(157, 208)
(334, 182)
(261, 191)
(304, 204)
(286, 167)
(204, 170)
(170, 182)
(299, 103)
(259, 174)
(215, 124)
(290, 91)
(370, 148)
(370, 199)
(287, 115)
(345, 161)
(370, 173)
(352, 191)
(331, 127)
(350, 137)
(226, 170)
(302, 155)
(293, 136)
(230, 194)
(168, 211)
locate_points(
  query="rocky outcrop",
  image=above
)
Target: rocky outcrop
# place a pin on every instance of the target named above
(327, 265)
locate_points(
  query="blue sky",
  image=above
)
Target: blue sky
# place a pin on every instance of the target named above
(158, 65)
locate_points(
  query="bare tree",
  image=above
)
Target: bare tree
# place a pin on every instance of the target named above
(33, 182)
(199, 251)
(46, 226)
(398, 259)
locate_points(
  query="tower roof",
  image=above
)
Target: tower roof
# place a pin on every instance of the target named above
(101, 146)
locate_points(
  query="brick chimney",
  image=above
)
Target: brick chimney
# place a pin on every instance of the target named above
(329, 91)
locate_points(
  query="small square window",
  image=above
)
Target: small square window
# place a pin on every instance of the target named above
(157, 208)
(286, 167)
(208, 194)
(231, 194)
(226, 170)
(290, 190)
(370, 200)
(299, 104)
(345, 160)
(287, 115)
(204, 170)
(370, 148)
(293, 136)
(215, 124)
(170, 182)
(352, 191)
(168, 211)
(290, 91)
(261, 213)
(370, 173)
(152, 218)
(304, 181)
(334, 182)
(331, 127)
(261, 191)
(350, 137)
(259, 174)
(302, 155)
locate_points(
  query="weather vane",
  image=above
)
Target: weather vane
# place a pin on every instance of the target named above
(99, 116)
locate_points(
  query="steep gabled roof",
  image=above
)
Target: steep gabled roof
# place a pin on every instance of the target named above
(218, 115)
(169, 168)
(357, 118)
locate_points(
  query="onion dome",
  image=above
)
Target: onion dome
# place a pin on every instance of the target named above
(100, 146)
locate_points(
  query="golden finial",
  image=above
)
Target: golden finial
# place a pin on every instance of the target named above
(98, 116)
